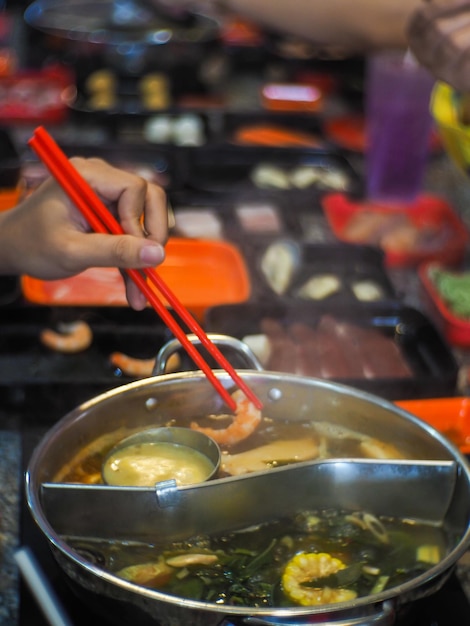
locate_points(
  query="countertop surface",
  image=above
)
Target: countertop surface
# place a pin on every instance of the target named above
(443, 178)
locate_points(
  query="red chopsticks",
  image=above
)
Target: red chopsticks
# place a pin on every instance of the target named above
(102, 221)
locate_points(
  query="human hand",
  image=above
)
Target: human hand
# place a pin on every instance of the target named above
(439, 37)
(47, 237)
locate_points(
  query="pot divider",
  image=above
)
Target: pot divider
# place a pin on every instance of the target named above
(421, 490)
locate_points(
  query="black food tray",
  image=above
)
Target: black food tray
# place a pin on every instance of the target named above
(411, 340)
(161, 164)
(31, 373)
(337, 273)
(230, 170)
(10, 289)
(10, 163)
(241, 222)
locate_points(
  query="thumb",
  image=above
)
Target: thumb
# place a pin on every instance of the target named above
(122, 251)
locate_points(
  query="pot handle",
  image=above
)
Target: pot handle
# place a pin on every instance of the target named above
(380, 615)
(224, 341)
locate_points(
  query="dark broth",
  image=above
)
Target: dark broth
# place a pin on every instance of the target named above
(377, 554)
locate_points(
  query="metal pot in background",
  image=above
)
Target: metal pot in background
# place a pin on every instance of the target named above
(152, 401)
(130, 34)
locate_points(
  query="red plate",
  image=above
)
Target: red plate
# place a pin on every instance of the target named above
(409, 234)
(456, 329)
(348, 131)
(37, 95)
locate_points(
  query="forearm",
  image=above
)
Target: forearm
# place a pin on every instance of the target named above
(359, 25)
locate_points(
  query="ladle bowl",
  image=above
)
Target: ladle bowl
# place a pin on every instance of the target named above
(159, 454)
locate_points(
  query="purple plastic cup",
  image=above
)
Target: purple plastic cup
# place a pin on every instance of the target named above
(398, 127)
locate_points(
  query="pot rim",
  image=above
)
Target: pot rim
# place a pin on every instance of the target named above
(396, 594)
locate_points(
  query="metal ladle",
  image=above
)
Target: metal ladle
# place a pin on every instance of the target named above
(200, 453)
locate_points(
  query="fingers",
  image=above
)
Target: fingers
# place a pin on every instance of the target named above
(135, 297)
(156, 220)
(47, 237)
(141, 206)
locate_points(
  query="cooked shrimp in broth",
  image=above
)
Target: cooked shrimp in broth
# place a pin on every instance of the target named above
(246, 421)
(250, 441)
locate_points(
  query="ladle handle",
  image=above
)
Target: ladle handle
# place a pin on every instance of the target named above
(382, 615)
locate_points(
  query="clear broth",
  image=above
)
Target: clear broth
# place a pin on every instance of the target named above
(332, 442)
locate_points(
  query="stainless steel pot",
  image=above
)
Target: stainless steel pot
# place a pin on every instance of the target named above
(152, 401)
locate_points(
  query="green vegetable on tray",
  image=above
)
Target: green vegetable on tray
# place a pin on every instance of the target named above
(454, 289)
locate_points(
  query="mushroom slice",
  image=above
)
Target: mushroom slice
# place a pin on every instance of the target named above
(376, 449)
(272, 454)
(190, 558)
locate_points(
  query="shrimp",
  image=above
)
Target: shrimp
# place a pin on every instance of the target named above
(70, 338)
(247, 419)
(141, 368)
(131, 366)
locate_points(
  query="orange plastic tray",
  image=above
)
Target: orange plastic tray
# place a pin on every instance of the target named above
(450, 416)
(9, 198)
(200, 273)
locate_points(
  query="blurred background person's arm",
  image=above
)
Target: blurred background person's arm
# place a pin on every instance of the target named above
(439, 37)
(354, 26)
(357, 26)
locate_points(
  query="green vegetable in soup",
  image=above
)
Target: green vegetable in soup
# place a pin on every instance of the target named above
(312, 557)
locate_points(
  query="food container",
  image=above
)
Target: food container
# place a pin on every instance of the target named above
(274, 134)
(455, 328)
(265, 172)
(426, 230)
(337, 273)
(10, 163)
(388, 349)
(450, 416)
(123, 348)
(157, 164)
(217, 274)
(179, 395)
(11, 184)
(454, 133)
(348, 132)
(292, 97)
(37, 95)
